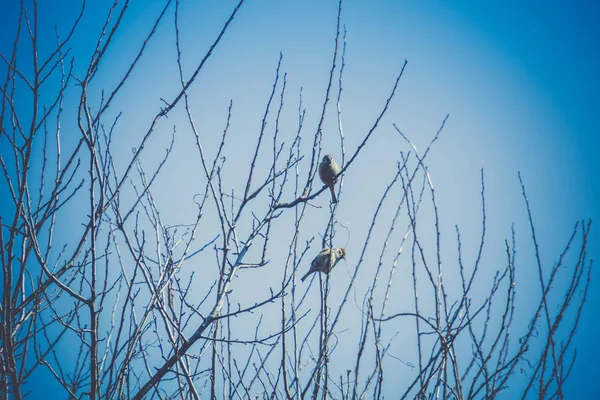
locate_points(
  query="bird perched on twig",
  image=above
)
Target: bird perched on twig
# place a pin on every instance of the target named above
(326, 260)
(328, 170)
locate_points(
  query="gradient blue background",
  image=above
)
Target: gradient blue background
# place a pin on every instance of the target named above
(519, 80)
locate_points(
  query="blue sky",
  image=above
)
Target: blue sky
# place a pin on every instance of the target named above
(519, 80)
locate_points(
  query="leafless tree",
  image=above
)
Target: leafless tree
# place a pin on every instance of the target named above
(123, 303)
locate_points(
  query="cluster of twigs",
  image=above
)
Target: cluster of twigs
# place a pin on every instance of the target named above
(128, 305)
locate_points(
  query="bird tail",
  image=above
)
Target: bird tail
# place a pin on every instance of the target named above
(333, 198)
(306, 276)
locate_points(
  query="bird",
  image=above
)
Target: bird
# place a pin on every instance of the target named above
(328, 170)
(325, 260)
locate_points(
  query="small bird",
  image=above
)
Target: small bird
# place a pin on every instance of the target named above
(326, 260)
(328, 170)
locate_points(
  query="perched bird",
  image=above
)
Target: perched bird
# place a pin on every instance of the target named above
(328, 169)
(326, 260)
